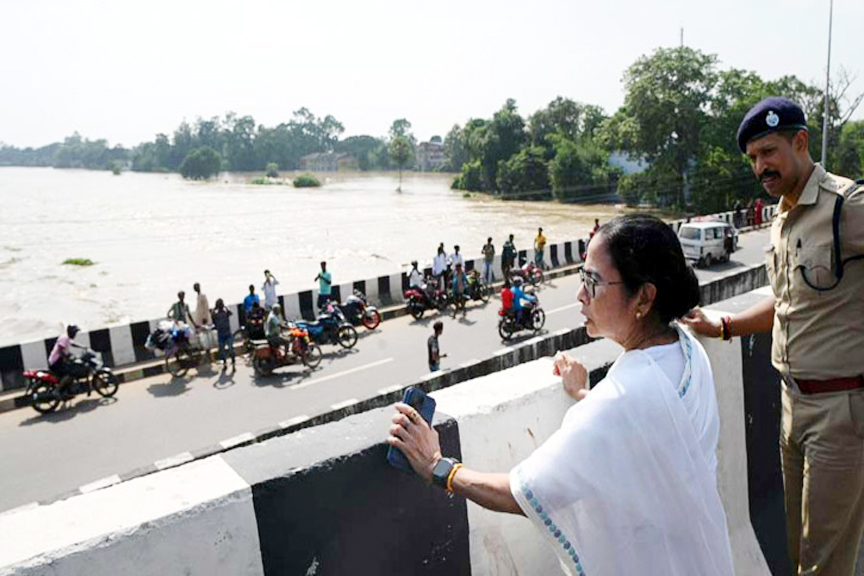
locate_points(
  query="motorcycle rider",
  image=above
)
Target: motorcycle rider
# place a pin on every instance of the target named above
(273, 328)
(518, 296)
(61, 361)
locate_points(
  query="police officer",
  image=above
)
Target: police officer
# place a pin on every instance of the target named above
(817, 321)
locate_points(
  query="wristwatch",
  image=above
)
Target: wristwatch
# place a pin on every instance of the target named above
(441, 471)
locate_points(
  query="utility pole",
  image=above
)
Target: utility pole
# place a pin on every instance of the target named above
(682, 34)
(827, 91)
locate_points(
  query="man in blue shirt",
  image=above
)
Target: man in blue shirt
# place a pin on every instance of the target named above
(325, 288)
(251, 299)
(518, 296)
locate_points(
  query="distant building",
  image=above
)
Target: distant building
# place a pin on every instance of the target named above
(430, 156)
(328, 162)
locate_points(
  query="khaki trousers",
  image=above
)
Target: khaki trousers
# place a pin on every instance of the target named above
(822, 450)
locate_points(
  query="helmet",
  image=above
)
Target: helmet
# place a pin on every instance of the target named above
(517, 281)
(72, 330)
(276, 308)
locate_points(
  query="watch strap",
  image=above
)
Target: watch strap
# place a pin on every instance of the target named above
(441, 471)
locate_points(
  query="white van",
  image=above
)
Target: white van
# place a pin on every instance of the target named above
(707, 242)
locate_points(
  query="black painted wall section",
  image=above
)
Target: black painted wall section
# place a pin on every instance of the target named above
(12, 364)
(140, 332)
(568, 252)
(307, 312)
(358, 515)
(100, 341)
(762, 410)
(553, 255)
(384, 290)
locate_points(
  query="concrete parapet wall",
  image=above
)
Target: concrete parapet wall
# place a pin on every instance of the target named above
(324, 501)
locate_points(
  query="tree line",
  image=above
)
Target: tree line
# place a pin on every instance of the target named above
(678, 121)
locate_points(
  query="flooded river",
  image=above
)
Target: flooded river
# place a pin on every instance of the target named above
(150, 235)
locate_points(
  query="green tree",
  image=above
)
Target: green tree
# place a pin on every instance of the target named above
(400, 150)
(665, 109)
(525, 175)
(849, 158)
(454, 149)
(580, 171)
(272, 170)
(201, 164)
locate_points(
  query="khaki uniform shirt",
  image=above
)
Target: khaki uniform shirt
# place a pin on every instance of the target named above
(818, 335)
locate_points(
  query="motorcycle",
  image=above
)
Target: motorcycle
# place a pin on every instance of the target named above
(530, 273)
(356, 310)
(330, 329)
(268, 357)
(533, 318)
(422, 299)
(477, 289)
(89, 375)
(253, 330)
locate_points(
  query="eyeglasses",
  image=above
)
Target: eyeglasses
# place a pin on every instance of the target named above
(591, 283)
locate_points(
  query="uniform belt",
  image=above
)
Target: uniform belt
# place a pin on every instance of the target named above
(832, 385)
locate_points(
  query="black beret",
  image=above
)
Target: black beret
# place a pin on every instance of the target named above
(770, 115)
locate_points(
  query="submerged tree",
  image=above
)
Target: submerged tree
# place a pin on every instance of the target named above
(201, 163)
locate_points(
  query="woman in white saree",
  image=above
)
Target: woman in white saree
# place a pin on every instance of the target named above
(628, 484)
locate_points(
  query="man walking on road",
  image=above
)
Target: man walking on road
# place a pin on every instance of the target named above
(817, 276)
(325, 288)
(488, 261)
(432, 347)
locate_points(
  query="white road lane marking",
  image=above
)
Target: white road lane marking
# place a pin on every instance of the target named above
(237, 440)
(340, 374)
(344, 404)
(176, 460)
(390, 389)
(293, 421)
(99, 484)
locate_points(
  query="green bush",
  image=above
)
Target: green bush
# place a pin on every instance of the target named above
(117, 168)
(201, 164)
(272, 170)
(78, 262)
(471, 177)
(306, 181)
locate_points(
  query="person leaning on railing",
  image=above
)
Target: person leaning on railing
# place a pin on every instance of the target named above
(628, 484)
(816, 316)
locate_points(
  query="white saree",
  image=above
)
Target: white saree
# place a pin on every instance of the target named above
(628, 484)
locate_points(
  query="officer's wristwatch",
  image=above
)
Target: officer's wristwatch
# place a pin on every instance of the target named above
(441, 471)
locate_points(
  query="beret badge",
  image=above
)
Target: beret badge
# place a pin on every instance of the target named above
(772, 119)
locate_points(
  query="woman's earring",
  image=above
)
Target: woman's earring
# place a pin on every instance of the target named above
(638, 315)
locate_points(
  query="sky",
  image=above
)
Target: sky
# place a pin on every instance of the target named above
(126, 70)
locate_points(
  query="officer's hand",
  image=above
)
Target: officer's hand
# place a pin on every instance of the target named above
(573, 374)
(701, 324)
